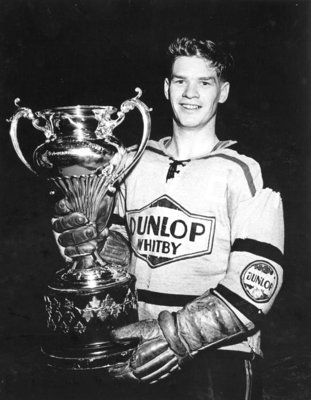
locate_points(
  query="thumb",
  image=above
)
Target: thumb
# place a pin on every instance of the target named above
(139, 331)
(62, 207)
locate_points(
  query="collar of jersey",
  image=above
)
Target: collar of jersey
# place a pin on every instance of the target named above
(159, 147)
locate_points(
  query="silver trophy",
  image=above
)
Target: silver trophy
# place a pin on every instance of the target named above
(88, 297)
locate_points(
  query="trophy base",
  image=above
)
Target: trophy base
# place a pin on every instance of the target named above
(82, 309)
(96, 357)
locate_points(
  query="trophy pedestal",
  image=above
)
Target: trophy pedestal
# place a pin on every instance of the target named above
(82, 308)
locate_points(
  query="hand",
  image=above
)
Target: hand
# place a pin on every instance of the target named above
(80, 237)
(77, 234)
(153, 360)
(167, 343)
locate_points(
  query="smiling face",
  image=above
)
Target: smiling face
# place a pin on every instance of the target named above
(194, 92)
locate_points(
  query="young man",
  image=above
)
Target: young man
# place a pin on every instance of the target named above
(207, 244)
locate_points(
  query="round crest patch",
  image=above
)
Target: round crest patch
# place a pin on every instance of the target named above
(259, 281)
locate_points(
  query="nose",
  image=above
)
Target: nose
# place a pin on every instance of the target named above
(191, 91)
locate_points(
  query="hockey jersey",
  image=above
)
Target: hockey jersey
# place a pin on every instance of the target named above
(203, 223)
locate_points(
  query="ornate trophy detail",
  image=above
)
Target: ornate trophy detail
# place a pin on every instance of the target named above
(82, 158)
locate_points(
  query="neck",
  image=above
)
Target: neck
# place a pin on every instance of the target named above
(186, 143)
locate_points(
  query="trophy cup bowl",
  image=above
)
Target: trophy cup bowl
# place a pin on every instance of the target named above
(83, 159)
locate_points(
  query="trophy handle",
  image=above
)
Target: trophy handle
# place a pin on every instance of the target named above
(23, 112)
(127, 106)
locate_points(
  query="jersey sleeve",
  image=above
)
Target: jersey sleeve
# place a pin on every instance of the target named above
(254, 275)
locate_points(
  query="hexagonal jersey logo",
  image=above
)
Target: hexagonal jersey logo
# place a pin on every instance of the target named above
(163, 232)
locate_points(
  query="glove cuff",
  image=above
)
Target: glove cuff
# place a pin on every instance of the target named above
(208, 322)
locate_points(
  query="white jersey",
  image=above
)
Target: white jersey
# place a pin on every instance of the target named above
(188, 223)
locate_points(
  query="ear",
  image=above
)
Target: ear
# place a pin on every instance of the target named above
(224, 92)
(166, 88)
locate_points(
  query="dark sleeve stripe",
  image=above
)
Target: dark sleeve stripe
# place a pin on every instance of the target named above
(261, 249)
(245, 168)
(221, 144)
(115, 219)
(164, 299)
(250, 311)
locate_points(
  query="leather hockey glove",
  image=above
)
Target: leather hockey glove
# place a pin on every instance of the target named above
(77, 236)
(166, 343)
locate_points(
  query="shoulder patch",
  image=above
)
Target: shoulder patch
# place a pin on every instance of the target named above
(259, 281)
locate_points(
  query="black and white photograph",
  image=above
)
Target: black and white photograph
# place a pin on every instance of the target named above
(155, 200)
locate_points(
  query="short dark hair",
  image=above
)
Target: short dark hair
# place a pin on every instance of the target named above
(220, 59)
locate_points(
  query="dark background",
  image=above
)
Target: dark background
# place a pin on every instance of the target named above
(66, 52)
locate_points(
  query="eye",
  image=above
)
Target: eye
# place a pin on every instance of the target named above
(179, 81)
(206, 83)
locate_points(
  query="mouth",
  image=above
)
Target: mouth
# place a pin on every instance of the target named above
(190, 106)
